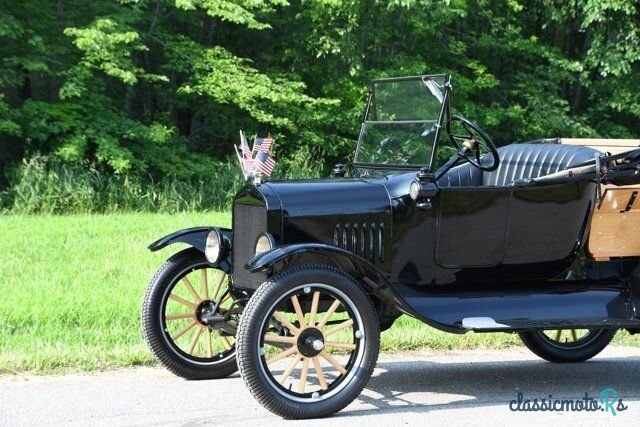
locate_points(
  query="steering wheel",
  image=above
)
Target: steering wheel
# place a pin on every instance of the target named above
(469, 145)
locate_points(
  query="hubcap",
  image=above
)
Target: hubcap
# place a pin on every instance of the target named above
(204, 312)
(310, 342)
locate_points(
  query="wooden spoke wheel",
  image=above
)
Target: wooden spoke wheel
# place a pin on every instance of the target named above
(567, 345)
(189, 318)
(569, 338)
(308, 342)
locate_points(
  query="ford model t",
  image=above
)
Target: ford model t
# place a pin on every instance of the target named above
(539, 239)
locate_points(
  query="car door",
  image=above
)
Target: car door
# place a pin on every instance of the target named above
(472, 226)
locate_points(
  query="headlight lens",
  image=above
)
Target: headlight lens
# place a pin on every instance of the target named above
(414, 190)
(264, 243)
(213, 246)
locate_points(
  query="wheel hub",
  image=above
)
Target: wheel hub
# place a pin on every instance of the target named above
(310, 342)
(206, 313)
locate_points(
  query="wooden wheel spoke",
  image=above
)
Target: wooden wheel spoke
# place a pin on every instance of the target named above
(314, 308)
(179, 316)
(342, 345)
(225, 299)
(289, 370)
(214, 295)
(205, 283)
(333, 362)
(182, 301)
(189, 286)
(319, 373)
(194, 341)
(303, 375)
(286, 353)
(280, 338)
(298, 310)
(574, 335)
(225, 342)
(339, 327)
(184, 330)
(328, 314)
(558, 334)
(283, 320)
(209, 344)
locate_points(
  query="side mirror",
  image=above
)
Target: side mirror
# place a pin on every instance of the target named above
(338, 170)
(423, 188)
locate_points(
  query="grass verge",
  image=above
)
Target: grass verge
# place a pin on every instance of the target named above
(71, 288)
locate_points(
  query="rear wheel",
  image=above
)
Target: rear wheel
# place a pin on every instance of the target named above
(567, 345)
(189, 318)
(308, 342)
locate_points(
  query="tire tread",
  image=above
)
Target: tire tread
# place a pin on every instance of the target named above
(277, 404)
(151, 330)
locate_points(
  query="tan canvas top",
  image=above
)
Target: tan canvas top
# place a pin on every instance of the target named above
(614, 146)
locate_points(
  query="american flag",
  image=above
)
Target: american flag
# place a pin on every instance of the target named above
(262, 144)
(264, 162)
(244, 156)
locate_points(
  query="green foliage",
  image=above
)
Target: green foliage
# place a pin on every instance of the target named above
(156, 90)
(106, 49)
(48, 186)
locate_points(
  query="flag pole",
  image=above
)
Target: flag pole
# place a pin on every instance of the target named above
(244, 173)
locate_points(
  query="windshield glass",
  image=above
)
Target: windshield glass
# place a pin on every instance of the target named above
(401, 121)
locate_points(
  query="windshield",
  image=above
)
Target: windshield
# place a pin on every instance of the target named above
(400, 125)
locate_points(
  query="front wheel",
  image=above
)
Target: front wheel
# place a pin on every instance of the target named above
(189, 318)
(567, 345)
(308, 342)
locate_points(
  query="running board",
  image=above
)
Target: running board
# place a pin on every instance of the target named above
(487, 324)
(519, 307)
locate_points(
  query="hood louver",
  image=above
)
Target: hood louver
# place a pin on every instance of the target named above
(363, 239)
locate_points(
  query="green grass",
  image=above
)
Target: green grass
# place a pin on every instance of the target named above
(71, 288)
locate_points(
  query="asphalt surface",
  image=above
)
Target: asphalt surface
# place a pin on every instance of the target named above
(443, 388)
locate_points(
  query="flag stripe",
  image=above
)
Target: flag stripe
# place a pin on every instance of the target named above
(264, 163)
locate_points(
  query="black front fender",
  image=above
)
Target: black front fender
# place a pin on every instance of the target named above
(268, 259)
(370, 276)
(194, 236)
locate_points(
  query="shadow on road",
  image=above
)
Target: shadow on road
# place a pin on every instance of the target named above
(414, 386)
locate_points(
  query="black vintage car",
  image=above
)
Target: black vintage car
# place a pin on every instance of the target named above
(435, 221)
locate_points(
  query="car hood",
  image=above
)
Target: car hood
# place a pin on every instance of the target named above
(334, 196)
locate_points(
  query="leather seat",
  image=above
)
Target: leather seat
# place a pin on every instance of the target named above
(465, 175)
(519, 161)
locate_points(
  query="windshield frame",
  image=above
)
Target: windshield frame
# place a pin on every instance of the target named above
(444, 112)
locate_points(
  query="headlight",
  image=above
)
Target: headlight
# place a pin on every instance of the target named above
(213, 246)
(264, 243)
(414, 190)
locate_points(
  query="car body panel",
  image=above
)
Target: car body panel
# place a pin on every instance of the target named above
(485, 257)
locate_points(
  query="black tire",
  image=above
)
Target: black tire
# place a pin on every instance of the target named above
(156, 331)
(579, 350)
(257, 321)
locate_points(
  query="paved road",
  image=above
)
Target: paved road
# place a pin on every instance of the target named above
(452, 388)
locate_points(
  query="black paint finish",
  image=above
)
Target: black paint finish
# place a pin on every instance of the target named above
(493, 252)
(517, 306)
(472, 226)
(490, 234)
(348, 213)
(194, 236)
